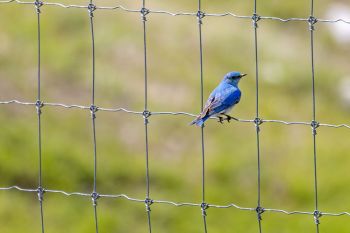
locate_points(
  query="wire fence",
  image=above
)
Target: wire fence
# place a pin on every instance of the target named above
(39, 104)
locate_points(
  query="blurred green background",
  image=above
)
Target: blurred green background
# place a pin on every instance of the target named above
(174, 146)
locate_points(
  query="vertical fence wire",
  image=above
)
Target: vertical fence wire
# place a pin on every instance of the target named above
(257, 120)
(93, 110)
(204, 206)
(146, 115)
(39, 105)
(314, 123)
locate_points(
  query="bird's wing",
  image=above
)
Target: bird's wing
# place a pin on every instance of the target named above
(224, 99)
(220, 100)
(212, 101)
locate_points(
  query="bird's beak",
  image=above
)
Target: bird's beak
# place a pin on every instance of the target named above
(242, 75)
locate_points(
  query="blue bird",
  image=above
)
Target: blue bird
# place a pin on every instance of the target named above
(222, 99)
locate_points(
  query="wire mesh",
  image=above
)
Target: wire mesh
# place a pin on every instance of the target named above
(146, 113)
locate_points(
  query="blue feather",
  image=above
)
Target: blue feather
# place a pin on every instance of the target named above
(222, 98)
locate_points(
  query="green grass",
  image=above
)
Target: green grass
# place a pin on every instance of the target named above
(174, 146)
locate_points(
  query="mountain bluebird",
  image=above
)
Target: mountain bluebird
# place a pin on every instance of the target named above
(222, 99)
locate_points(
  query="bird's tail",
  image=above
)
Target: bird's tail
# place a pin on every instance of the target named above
(199, 121)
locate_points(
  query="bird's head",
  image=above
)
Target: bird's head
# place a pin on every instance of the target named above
(233, 77)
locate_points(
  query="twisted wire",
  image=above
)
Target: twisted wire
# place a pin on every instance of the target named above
(169, 113)
(224, 14)
(172, 203)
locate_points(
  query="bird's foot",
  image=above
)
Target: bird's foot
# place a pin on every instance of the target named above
(229, 118)
(221, 119)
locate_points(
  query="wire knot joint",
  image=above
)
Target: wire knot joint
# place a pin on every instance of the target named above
(317, 216)
(312, 21)
(200, 15)
(144, 12)
(314, 125)
(40, 192)
(91, 8)
(38, 4)
(255, 19)
(204, 207)
(258, 122)
(39, 104)
(93, 110)
(94, 197)
(259, 211)
(148, 203)
(146, 114)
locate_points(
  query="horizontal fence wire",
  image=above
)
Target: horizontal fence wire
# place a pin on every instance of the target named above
(125, 110)
(166, 202)
(146, 113)
(150, 11)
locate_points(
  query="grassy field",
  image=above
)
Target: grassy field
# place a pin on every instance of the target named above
(287, 174)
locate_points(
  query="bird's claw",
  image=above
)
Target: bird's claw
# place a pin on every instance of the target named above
(229, 118)
(221, 120)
